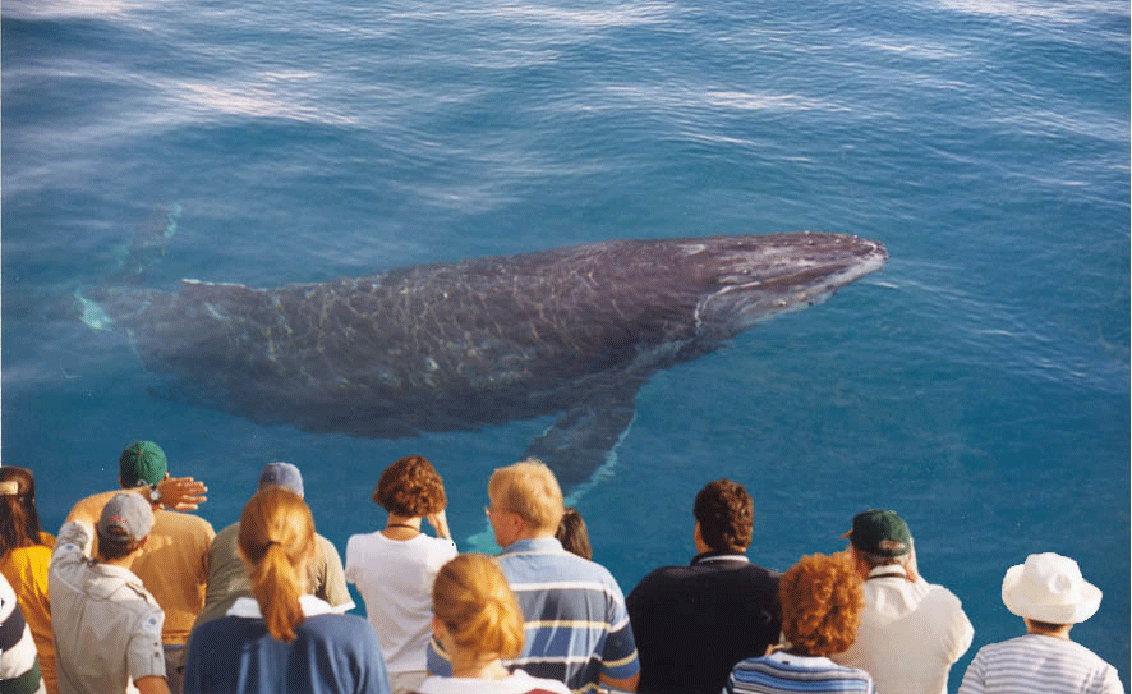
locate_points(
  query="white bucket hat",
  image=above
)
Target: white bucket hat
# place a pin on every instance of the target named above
(1049, 588)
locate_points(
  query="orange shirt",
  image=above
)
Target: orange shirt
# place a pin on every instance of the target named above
(173, 566)
(26, 569)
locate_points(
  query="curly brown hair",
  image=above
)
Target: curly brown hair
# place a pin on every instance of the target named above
(411, 487)
(726, 513)
(822, 597)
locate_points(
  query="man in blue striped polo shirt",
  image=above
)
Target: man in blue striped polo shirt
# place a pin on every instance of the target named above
(576, 626)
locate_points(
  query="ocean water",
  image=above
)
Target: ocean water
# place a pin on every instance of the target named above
(979, 385)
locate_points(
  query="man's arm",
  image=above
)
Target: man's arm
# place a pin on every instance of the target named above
(152, 684)
(75, 539)
(178, 493)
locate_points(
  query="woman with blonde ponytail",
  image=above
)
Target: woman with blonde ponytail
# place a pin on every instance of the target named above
(283, 639)
(477, 621)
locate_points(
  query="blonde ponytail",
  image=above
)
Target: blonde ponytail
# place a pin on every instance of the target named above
(471, 597)
(276, 537)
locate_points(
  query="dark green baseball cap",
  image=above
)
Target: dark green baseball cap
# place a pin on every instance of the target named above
(143, 462)
(880, 532)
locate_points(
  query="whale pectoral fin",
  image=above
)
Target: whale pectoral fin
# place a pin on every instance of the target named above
(582, 440)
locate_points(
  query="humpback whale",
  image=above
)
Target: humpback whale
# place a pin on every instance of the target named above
(573, 331)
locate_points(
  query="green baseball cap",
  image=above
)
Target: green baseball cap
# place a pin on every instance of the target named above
(143, 462)
(880, 532)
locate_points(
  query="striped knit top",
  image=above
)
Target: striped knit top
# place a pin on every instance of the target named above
(19, 668)
(782, 673)
(1038, 664)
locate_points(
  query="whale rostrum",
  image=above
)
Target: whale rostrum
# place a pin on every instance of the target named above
(457, 346)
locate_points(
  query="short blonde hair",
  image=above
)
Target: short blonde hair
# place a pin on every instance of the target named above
(530, 490)
(472, 599)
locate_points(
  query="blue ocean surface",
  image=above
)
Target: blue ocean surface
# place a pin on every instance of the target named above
(979, 384)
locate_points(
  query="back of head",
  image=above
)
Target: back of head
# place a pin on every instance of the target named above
(822, 598)
(19, 521)
(411, 487)
(573, 535)
(142, 462)
(283, 475)
(880, 538)
(725, 512)
(276, 538)
(530, 490)
(123, 525)
(472, 599)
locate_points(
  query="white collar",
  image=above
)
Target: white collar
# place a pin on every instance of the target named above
(309, 604)
(889, 571)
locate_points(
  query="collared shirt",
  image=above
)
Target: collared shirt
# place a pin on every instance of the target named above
(693, 623)
(910, 635)
(576, 626)
(107, 627)
(173, 566)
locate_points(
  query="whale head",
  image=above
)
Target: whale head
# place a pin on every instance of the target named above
(758, 277)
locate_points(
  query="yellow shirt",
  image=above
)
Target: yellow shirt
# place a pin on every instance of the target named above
(173, 566)
(26, 569)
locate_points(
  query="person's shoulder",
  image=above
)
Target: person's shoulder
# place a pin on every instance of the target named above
(943, 597)
(346, 631)
(326, 545)
(90, 506)
(359, 540)
(183, 523)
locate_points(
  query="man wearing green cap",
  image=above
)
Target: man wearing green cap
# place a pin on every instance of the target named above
(173, 566)
(911, 631)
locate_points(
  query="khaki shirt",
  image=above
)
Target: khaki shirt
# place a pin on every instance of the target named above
(106, 625)
(228, 577)
(173, 566)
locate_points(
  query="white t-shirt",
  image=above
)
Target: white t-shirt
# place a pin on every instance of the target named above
(518, 683)
(395, 579)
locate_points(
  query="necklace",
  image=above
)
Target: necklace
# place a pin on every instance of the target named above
(410, 526)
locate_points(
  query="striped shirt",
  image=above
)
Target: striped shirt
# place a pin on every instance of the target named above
(1038, 664)
(19, 669)
(576, 626)
(782, 673)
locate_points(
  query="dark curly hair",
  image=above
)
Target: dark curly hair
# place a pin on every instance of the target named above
(411, 487)
(822, 597)
(726, 514)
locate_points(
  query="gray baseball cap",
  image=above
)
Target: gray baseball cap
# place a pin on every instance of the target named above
(283, 475)
(126, 514)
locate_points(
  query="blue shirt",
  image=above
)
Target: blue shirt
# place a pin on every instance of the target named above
(576, 626)
(331, 654)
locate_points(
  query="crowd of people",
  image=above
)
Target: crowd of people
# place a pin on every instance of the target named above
(137, 594)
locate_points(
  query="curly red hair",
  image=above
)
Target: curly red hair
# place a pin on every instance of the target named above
(822, 597)
(411, 487)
